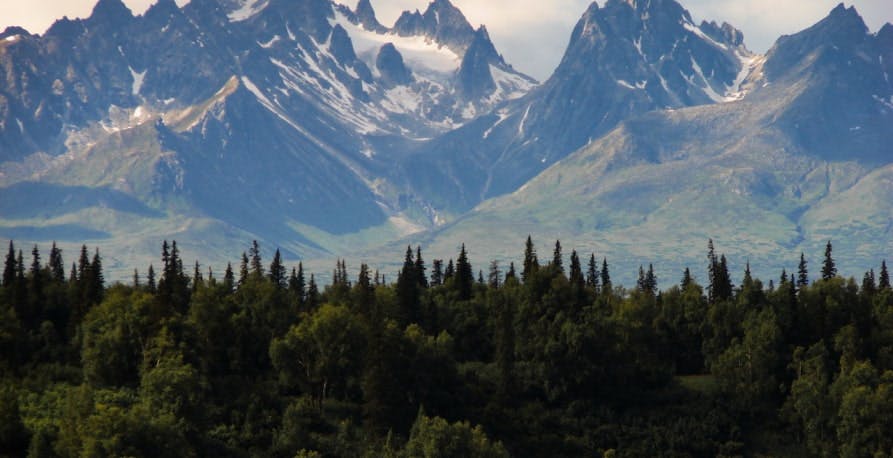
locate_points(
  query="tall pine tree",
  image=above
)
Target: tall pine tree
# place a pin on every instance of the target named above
(829, 270)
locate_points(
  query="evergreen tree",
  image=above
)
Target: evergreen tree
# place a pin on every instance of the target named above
(803, 279)
(312, 294)
(136, 279)
(530, 262)
(150, 279)
(686, 279)
(364, 292)
(297, 286)
(450, 271)
(651, 280)
(36, 293)
(96, 288)
(557, 258)
(606, 276)
(197, 279)
(437, 272)
(869, 287)
(257, 267)
(576, 274)
(56, 264)
(420, 268)
(592, 273)
(464, 275)
(829, 270)
(494, 278)
(277, 271)
(884, 278)
(408, 291)
(480, 277)
(511, 273)
(243, 270)
(9, 268)
(229, 278)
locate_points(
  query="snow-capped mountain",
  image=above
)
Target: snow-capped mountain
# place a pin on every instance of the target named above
(310, 125)
(803, 157)
(624, 58)
(274, 119)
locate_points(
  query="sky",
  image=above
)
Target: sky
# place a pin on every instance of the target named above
(531, 34)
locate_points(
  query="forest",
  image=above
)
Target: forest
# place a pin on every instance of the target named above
(546, 358)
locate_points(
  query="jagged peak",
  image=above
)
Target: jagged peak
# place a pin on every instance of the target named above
(110, 10)
(13, 31)
(366, 16)
(163, 8)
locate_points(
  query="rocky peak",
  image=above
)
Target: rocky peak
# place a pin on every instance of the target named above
(842, 31)
(391, 66)
(365, 15)
(724, 33)
(475, 77)
(442, 22)
(111, 12)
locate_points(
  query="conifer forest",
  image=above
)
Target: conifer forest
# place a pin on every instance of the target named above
(545, 356)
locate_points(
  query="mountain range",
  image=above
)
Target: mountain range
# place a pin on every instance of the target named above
(310, 126)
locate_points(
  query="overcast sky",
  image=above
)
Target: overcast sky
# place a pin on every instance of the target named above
(531, 34)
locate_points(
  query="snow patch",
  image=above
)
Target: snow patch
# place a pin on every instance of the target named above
(248, 10)
(421, 54)
(503, 115)
(270, 43)
(523, 120)
(12, 38)
(138, 79)
(700, 34)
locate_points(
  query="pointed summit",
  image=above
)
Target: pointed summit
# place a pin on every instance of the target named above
(442, 21)
(475, 77)
(111, 12)
(391, 66)
(366, 16)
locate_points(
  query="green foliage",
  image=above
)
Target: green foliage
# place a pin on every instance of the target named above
(437, 438)
(560, 363)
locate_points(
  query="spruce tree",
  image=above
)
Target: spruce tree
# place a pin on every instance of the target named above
(437, 272)
(557, 258)
(257, 267)
(136, 279)
(450, 271)
(312, 294)
(243, 270)
(651, 280)
(829, 270)
(36, 297)
(494, 278)
(530, 262)
(686, 279)
(803, 278)
(9, 268)
(480, 277)
(606, 276)
(592, 273)
(511, 273)
(884, 278)
(229, 278)
(197, 279)
(277, 271)
(464, 275)
(868, 284)
(576, 277)
(408, 291)
(420, 269)
(56, 264)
